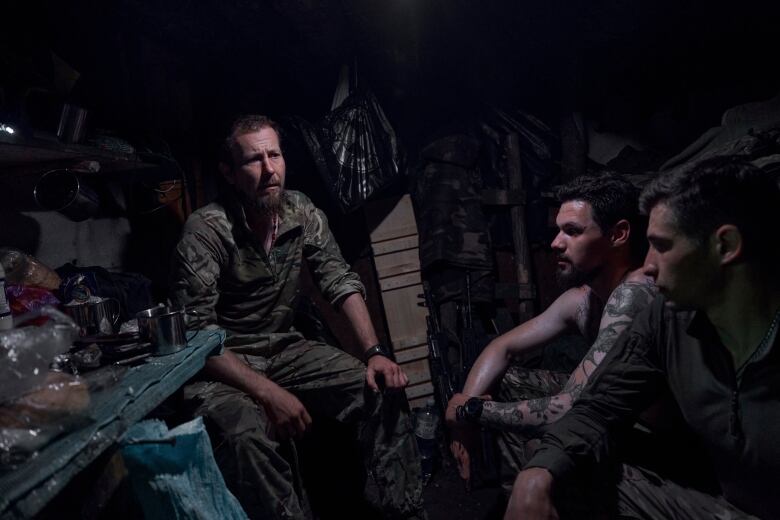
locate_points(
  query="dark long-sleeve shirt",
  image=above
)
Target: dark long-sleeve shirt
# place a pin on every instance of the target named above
(734, 413)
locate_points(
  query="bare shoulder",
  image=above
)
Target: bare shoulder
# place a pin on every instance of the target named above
(574, 299)
(581, 308)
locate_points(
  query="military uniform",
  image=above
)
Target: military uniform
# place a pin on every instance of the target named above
(221, 270)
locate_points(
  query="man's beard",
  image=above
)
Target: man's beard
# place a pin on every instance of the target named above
(268, 204)
(575, 277)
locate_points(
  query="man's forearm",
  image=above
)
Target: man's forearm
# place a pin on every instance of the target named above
(526, 415)
(487, 369)
(228, 368)
(357, 314)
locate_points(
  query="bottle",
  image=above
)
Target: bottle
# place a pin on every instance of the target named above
(426, 423)
(6, 320)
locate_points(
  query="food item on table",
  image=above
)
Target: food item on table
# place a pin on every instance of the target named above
(61, 396)
(21, 268)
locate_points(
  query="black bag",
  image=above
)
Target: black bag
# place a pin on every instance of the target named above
(359, 151)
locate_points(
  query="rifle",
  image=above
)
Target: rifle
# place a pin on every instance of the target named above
(440, 374)
(468, 340)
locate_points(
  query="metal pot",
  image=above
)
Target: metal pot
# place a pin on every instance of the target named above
(63, 191)
(99, 317)
(164, 327)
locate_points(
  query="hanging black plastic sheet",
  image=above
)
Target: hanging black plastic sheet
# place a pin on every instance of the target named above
(357, 151)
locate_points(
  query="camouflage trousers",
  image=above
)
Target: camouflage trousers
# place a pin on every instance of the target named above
(262, 471)
(520, 384)
(628, 492)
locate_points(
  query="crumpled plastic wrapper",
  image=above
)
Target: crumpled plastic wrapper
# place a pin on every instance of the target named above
(25, 353)
(33, 420)
(36, 404)
(21, 268)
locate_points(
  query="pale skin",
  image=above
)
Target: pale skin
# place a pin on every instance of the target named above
(258, 170)
(580, 244)
(710, 276)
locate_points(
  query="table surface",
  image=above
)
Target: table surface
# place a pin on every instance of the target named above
(25, 490)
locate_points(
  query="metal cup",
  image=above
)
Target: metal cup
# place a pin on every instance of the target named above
(63, 191)
(95, 318)
(164, 328)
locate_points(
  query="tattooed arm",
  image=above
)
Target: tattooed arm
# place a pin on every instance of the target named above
(625, 302)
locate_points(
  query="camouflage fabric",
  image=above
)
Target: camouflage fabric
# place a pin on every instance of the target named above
(520, 384)
(452, 227)
(222, 271)
(329, 383)
(451, 223)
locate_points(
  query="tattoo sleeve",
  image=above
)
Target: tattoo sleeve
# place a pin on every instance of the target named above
(625, 302)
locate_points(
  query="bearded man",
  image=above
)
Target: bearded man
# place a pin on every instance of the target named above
(238, 265)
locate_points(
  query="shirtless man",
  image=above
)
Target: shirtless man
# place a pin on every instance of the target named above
(600, 248)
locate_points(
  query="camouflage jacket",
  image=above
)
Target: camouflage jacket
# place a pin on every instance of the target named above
(221, 270)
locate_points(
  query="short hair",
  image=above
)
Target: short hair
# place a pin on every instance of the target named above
(612, 198)
(717, 191)
(245, 124)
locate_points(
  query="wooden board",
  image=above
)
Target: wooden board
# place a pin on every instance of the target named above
(405, 319)
(395, 243)
(399, 262)
(391, 218)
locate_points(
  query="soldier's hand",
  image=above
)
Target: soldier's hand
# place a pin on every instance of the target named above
(286, 412)
(393, 375)
(455, 401)
(461, 444)
(532, 496)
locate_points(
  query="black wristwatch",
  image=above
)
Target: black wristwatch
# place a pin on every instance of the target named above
(376, 350)
(470, 411)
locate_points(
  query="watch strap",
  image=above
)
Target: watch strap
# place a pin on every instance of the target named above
(376, 350)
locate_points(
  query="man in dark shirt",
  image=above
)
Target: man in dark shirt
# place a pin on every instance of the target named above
(711, 338)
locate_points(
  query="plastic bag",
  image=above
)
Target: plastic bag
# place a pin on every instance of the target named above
(26, 298)
(360, 149)
(21, 268)
(33, 420)
(25, 353)
(173, 473)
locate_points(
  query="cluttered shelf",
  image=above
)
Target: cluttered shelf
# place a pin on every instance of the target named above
(18, 152)
(25, 489)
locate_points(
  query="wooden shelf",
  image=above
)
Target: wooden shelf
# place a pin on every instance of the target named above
(18, 154)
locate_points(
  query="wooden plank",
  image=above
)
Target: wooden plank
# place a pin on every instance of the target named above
(400, 282)
(391, 218)
(417, 371)
(405, 319)
(395, 244)
(400, 262)
(511, 147)
(412, 354)
(411, 342)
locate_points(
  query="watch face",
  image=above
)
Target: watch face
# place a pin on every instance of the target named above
(474, 407)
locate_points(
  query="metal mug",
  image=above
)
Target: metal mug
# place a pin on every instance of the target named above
(63, 191)
(164, 327)
(98, 317)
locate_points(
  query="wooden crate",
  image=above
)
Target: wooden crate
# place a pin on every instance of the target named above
(394, 242)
